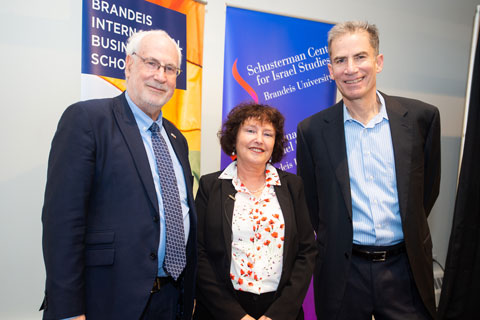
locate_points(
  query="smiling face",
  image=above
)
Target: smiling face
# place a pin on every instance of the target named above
(254, 145)
(354, 66)
(151, 90)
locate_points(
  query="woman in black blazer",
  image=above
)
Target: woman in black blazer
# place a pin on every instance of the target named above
(256, 248)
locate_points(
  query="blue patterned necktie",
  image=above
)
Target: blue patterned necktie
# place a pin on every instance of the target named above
(175, 259)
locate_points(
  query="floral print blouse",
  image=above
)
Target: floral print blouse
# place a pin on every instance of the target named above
(258, 231)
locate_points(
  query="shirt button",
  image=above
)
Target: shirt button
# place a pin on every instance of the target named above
(371, 177)
(153, 256)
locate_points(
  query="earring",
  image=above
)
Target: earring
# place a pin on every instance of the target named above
(233, 156)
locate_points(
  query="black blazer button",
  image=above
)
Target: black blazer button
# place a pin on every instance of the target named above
(153, 256)
(347, 255)
(155, 219)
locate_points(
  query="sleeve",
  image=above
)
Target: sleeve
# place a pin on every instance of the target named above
(306, 170)
(288, 304)
(432, 163)
(213, 293)
(70, 174)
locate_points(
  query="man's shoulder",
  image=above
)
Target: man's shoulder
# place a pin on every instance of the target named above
(88, 112)
(410, 103)
(326, 115)
(96, 106)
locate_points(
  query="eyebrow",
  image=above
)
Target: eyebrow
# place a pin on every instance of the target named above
(255, 126)
(156, 61)
(356, 54)
(360, 53)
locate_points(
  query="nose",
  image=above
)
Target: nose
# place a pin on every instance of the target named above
(160, 75)
(351, 67)
(259, 137)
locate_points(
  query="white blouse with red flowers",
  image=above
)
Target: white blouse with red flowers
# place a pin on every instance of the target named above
(258, 231)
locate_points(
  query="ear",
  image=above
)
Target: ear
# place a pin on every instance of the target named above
(379, 62)
(128, 66)
(330, 69)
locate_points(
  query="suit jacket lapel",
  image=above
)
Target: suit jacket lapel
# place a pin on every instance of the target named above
(179, 149)
(284, 197)
(334, 138)
(401, 130)
(227, 205)
(129, 128)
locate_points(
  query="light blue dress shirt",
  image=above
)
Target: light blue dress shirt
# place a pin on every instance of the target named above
(144, 123)
(371, 166)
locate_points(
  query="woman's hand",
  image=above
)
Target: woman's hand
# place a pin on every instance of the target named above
(264, 318)
(247, 317)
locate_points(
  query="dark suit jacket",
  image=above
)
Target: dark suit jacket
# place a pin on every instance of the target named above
(215, 210)
(100, 216)
(322, 163)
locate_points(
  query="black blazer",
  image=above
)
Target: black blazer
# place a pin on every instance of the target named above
(322, 163)
(100, 216)
(215, 209)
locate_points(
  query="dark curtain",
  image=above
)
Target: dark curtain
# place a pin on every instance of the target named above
(460, 298)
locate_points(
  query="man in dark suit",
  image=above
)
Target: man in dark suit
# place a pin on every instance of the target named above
(119, 238)
(371, 167)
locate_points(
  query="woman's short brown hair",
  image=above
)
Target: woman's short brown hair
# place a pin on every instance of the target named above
(251, 110)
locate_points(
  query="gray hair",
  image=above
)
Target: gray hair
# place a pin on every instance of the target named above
(134, 41)
(343, 28)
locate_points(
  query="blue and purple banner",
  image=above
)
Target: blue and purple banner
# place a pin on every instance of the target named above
(279, 61)
(107, 24)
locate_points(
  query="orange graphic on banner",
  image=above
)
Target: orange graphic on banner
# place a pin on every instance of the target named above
(243, 83)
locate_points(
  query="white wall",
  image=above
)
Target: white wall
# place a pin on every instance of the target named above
(426, 46)
(40, 65)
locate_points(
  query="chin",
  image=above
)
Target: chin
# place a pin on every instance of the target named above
(353, 95)
(156, 102)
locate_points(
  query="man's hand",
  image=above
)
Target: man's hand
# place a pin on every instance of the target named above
(264, 318)
(247, 317)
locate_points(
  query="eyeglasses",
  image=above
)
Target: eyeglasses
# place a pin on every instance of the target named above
(153, 65)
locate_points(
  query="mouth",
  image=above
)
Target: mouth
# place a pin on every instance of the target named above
(257, 150)
(354, 81)
(157, 88)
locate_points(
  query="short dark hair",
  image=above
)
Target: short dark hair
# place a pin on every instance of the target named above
(251, 110)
